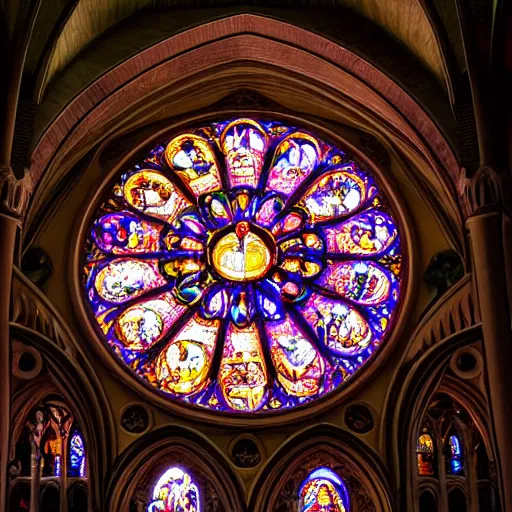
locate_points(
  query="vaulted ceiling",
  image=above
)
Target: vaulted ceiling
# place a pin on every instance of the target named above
(406, 20)
(415, 42)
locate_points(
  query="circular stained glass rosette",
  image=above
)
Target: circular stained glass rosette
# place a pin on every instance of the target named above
(244, 266)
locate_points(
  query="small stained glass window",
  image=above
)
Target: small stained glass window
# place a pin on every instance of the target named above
(244, 266)
(455, 465)
(425, 455)
(175, 491)
(323, 491)
(77, 458)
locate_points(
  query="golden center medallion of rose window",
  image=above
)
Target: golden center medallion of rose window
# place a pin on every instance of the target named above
(243, 254)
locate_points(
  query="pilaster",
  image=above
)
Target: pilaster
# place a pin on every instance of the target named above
(484, 198)
(14, 198)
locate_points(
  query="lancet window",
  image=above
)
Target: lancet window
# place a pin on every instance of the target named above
(452, 461)
(49, 469)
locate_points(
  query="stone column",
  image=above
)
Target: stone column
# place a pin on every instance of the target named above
(485, 201)
(14, 196)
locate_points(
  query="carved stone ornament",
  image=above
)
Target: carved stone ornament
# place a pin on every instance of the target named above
(444, 270)
(452, 313)
(135, 419)
(485, 191)
(359, 418)
(245, 453)
(37, 266)
(14, 194)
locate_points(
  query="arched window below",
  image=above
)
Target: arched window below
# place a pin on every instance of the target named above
(428, 502)
(456, 501)
(323, 490)
(19, 499)
(49, 500)
(77, 498)
(425, 455)
(455, 464)
(175, 490)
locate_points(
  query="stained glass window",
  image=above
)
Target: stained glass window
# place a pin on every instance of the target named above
(76, 453)
(175, 491)
(49, 450)
(323, 491)
(245, 265)
(425, 455)
(455, 466)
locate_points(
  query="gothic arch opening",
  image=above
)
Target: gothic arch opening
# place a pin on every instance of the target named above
(173, 465)
(428, 502)
(323, 461)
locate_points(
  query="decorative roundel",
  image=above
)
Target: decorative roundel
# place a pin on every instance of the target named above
(359, 418)
(245, 453)
(135, 419)
(244, 266)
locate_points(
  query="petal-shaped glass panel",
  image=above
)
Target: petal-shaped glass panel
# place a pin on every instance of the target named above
(292, 222)
(242, 306)
(295, 158)
(269, 301)
(153, 194)
(362, 281)
(192, 158)
(335, 194)
(216, 210)
(299, 365)
(126, 279)
(143, 324)
(244, 143)
(267, 209)
(189, 222)
(339, 326)
(182, 367)
(243, 373)
(217, 301)
(124, 233)
(368, 233)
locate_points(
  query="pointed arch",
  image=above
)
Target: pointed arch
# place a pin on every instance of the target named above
(407, 402)
(166, 455)
(428, 502)
(326, 446)
(82, 393)
(411, 395)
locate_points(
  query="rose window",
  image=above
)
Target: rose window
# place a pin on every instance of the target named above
(245, 266)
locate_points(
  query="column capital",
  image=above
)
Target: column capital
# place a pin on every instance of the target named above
(14, 193)
(486, 191)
